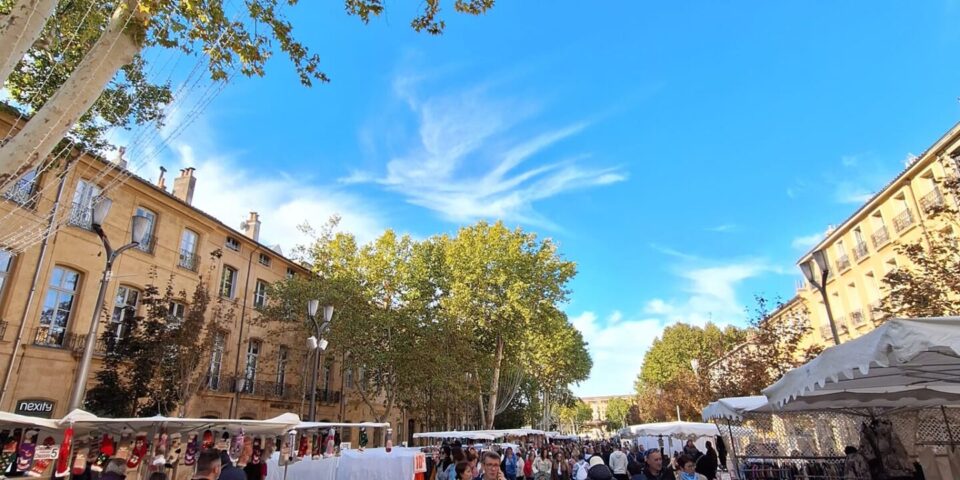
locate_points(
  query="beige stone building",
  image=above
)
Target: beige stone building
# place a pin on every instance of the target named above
(862, 249)
(597, 423)
(48, 292)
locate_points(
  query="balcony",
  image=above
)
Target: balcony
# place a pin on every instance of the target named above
(825, 332)
(856, 318)
(21, 193)
(841, 323)
(843, 263)
(81, 216)
(876, 314)
(3, 329)
(903, 220)
(880, 237)
(77, 343)
(256, 388)
(324, 396)
(931, 200)
(45, 337)
(189, 260)
(148, 244)
(860, 251)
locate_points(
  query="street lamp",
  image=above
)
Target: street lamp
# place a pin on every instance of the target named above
(140, 225)
(820, 258)
(317, 344)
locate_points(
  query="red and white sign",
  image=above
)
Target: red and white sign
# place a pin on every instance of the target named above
(420, 463)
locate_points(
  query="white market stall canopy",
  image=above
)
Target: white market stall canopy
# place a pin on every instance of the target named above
(472, 435)
(13, 419)
(481, 434)
(671, 429)
(322, 425)
(85, 421)
(733, 408)
(905, 363)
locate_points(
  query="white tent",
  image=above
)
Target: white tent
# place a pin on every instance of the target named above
(321, 425)
(473, 435)
(84, 421)
(13, 419)
(733, 408)
(671, 429)
(903, 363)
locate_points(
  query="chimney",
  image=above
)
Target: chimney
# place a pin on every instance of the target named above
(184, 184)
(162, 182)
(252, 226)
(120, 161)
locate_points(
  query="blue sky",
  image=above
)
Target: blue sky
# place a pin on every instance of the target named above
(684, 154)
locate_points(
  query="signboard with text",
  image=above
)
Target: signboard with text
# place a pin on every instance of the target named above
(420, 463)
(35, 407)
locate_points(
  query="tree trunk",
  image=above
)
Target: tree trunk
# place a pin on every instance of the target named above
(20, 29)
(495, 384)
(115, 48)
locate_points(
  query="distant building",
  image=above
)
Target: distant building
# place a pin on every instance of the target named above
(598, 423)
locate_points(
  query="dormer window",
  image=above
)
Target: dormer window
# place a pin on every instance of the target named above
(264, 259)
(233, 244)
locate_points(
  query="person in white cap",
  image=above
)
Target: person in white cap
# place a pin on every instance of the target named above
(598, 470)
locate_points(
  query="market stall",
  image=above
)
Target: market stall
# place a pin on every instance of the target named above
(670, 436)
(28, 445)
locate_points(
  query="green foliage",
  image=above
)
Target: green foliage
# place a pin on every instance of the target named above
(667, 378)
(129, 99)
(422, 319)
(928, 283)
(618, 412)
(574, 415)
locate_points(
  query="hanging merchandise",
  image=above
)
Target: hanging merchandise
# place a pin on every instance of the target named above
(106, 451)
(389, 441)
(363, 438)
(304, 446)
(193, 447)
(329, 450)
(44, 455)
(207, 439)
(317, 441)
(223, 442)
(80, 459)
(246, 451)
(63, 460)
(173, 453)
(9, 453)
(236, 447)
(257, 451)
(26, 450)
(884, 451)
(125, 445)
(139, 450)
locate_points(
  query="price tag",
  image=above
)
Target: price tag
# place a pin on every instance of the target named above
(344, 445)
(420, 463)
(44, 452)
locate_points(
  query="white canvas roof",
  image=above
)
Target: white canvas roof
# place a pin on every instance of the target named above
(733, 408)
(14, 419)
(474, 435)
(903, 363)
(671, 429)
(82, 420)
(316, 425)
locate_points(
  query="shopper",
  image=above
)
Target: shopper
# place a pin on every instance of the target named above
(464, 471)
(618, 464)
(528, 466)
(654, 468)
(208, 465)
(542, 466)
(708, 463)
(490, 465)
(510, 465)
(115, 470)
(691, 450)
(688, 468)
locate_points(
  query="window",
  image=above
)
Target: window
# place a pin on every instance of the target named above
(250, 370)
(290, 272)
(260, 294)
(264, 259)
(22, 190)
(147, 243)
(282, 355)
(124, 310)
(228, 282)
(326, 377)
(348, 378)
(216, 359)
(233, 244)
(81, 215)
(6, 263)
(57, 306)
(188, 250)
(175, 312)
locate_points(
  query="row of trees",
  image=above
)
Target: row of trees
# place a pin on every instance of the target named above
(455, 329)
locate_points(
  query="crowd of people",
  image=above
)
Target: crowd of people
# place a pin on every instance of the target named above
(602, 460)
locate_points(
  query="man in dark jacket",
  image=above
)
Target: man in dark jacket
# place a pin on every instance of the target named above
(227, 469)
(655, 468)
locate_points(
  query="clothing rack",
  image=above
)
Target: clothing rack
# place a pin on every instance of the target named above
(792, 468)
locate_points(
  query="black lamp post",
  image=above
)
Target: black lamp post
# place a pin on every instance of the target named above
(820, 258)
(317, 345)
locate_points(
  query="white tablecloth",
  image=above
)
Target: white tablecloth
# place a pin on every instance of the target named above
(371, 464)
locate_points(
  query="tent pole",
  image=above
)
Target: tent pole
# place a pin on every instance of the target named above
(733, 448)
(946, 423)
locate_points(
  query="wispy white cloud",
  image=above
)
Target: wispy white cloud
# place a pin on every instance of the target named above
(848, 192)
(806, 242)
(672, 252)
(723, 228)
(618, 342)
(469, 161)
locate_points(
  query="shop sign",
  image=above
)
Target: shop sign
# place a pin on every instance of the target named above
(420, 463)
(35, 408)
